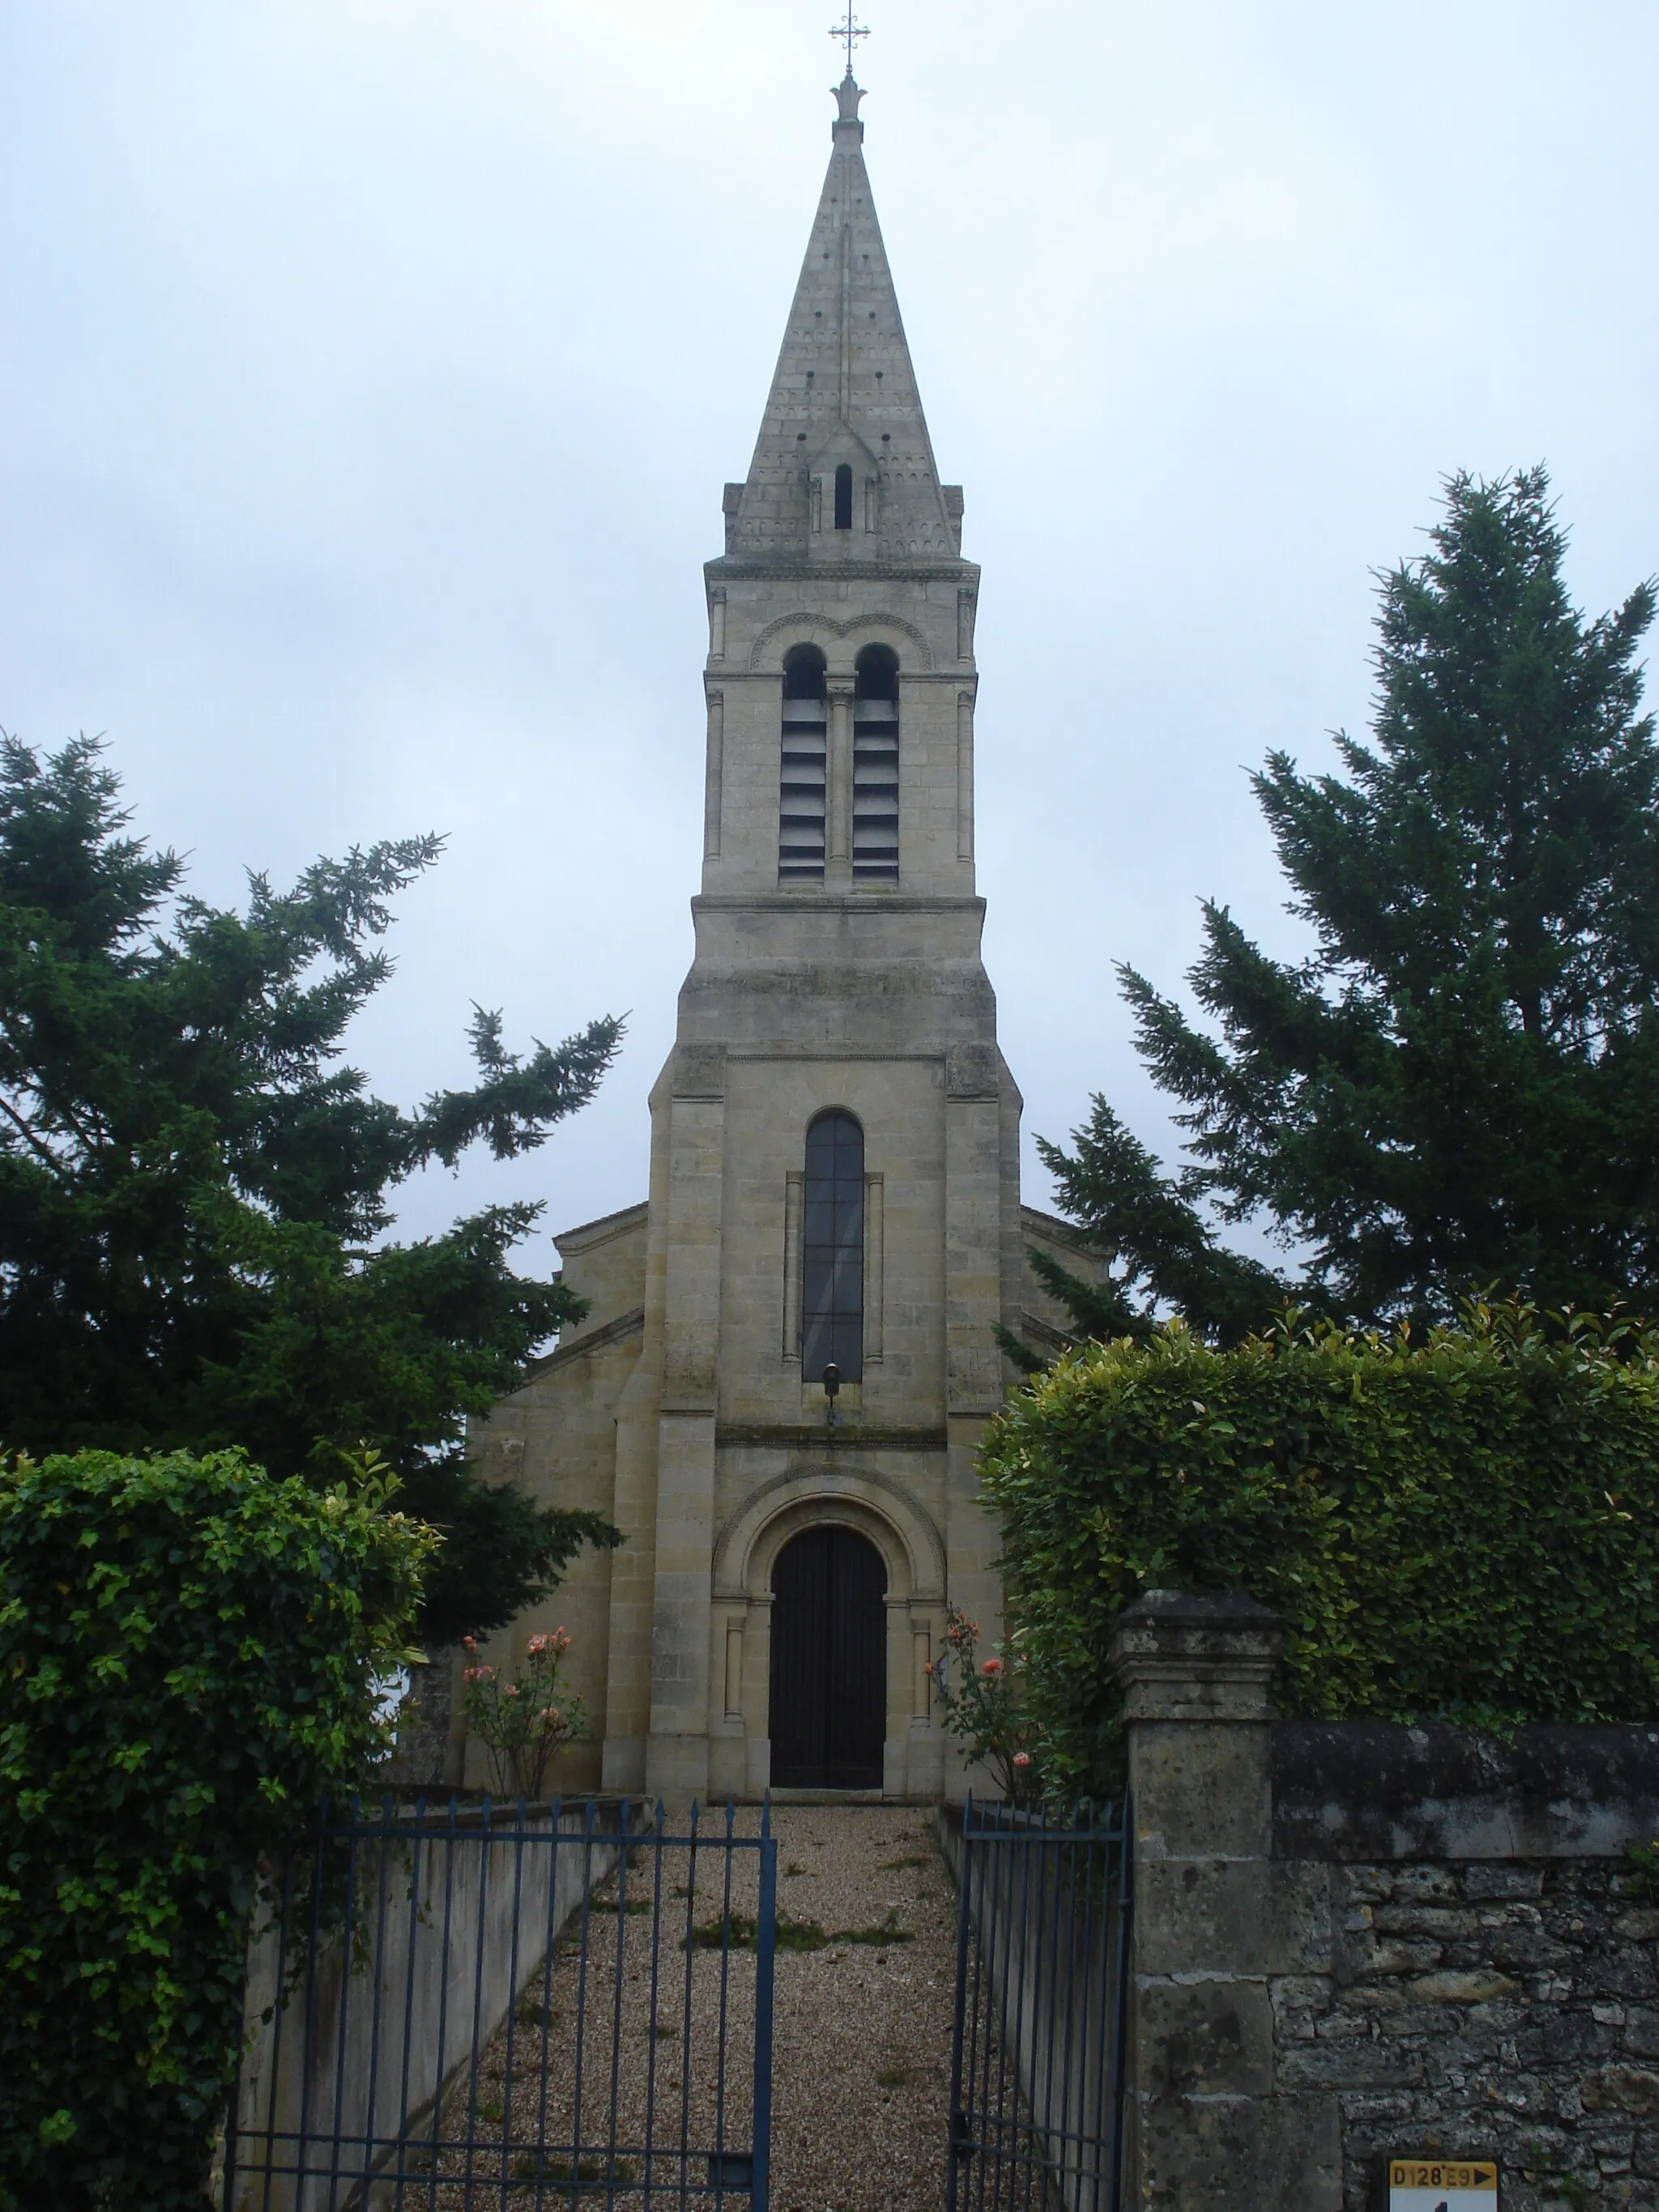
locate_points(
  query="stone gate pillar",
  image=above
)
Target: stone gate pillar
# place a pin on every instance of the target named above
(1214, 1916)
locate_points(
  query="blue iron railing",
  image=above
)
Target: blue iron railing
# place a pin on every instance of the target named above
(515, 2006)
(1037, 2068)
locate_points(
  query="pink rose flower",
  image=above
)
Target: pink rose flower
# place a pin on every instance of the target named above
(991, 1666)
(1022, 1758)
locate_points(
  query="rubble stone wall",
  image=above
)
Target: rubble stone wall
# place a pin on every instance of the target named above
(1480, 2008)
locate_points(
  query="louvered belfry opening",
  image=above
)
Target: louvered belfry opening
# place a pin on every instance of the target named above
(832, 1249)
(801, 784)
(876, 768)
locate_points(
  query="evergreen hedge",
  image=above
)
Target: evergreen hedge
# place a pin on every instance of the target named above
(1462, 1526)
(189, 1655)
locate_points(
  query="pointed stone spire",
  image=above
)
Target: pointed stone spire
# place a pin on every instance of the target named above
(844, 394)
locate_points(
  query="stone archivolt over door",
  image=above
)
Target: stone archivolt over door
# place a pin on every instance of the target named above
(829, 1687)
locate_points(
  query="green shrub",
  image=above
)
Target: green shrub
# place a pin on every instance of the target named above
(1461, 1526)
(189, 1653)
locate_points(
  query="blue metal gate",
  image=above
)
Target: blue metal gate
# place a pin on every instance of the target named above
(1037, 2066)
(509, 2006)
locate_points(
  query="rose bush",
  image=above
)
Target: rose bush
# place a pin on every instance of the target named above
(523, 1723)
(983, 1707)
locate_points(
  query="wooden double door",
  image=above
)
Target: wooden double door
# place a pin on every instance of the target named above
(828, 1705)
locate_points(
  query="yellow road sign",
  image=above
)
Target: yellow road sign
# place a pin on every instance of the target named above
(1442, 2184)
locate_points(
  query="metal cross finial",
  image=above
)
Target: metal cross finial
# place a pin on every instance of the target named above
(849, 33)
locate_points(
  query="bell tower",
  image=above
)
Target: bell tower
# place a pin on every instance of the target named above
(792, 1349)
(836, 984)
(842, 526)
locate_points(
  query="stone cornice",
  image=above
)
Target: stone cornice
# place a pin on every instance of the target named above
(1196, 1656)
(609, 1332)
(718, 674)
(765, 1435)
(730, 568)
(586, 1235)
(834, 902)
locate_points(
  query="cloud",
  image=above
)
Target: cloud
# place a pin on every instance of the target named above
(372, 372)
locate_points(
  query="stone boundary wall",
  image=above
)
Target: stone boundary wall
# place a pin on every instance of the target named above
(419, 1961)
(430, 1751)
(1354, 1941)
(1053, 2012)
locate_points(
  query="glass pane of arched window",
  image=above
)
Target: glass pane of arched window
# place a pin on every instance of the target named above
(832, 1249)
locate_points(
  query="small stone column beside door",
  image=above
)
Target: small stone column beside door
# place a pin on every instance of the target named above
(1215, 1921)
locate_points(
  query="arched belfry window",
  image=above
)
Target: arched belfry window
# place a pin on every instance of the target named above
(832, 1249)
(844, 497)
(801, 780)
(876, 768)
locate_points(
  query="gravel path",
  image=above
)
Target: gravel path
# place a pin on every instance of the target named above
(861, 2066)
(865, 1979)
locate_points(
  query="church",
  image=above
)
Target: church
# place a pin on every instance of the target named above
(790, 1350)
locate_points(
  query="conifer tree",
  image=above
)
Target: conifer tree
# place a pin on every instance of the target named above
(1459, 1088)
(194, 1190)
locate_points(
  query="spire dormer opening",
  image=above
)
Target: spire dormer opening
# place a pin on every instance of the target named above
(843, 481)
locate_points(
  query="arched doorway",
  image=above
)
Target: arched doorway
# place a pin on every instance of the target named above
(828, 1704)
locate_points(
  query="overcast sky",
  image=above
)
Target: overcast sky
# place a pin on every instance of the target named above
(370, 373)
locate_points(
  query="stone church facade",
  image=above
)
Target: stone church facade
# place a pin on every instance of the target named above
(834, 1168)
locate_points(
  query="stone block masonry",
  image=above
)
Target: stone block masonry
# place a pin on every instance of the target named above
(1358, 1940)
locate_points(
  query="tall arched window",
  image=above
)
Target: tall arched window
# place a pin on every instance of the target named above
(801, 782)
(844, 497)
(832, 1249)
(876, 768)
